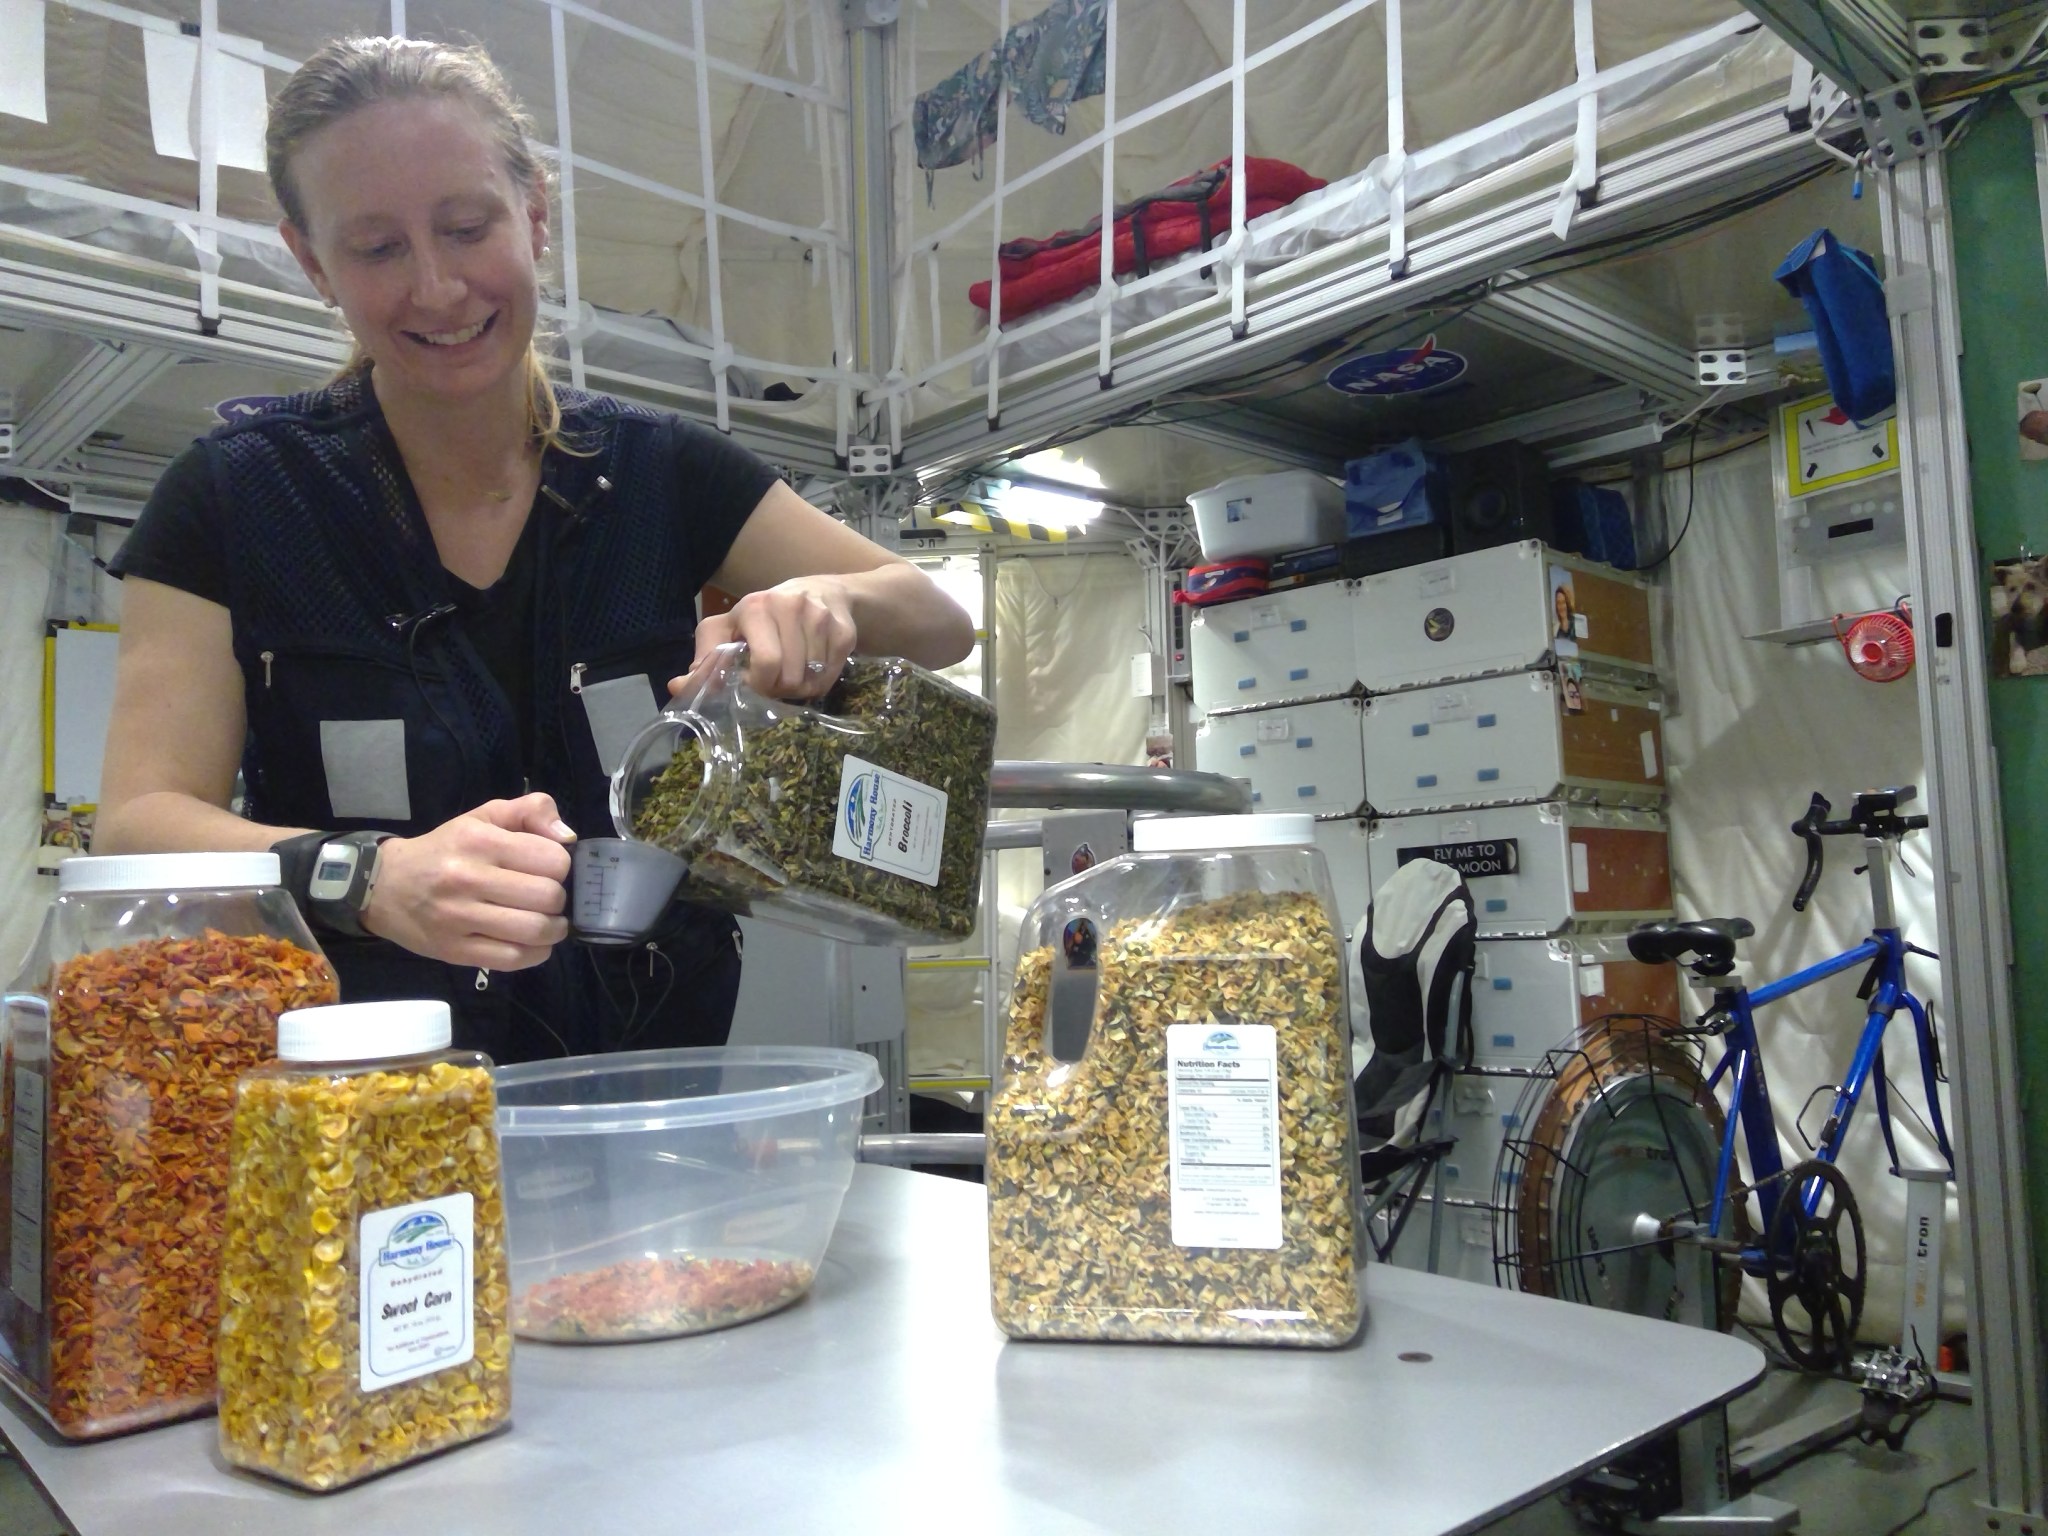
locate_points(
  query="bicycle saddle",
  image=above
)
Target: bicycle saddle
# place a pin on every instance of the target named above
(1711, 938)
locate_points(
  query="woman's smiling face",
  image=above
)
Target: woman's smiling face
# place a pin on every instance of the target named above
(420, 236)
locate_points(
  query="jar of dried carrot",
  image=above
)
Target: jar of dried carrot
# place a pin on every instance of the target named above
(364, 1296)
(156, 981)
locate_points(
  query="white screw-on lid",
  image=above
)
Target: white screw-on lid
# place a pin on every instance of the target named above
(168, 872)
(1186, 834)
(363, 1031)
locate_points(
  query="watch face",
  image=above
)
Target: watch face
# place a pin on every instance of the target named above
(331, 876)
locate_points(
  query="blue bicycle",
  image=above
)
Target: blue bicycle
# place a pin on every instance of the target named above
(1811, 1253)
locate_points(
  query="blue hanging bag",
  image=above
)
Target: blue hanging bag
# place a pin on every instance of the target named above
(1844, 297)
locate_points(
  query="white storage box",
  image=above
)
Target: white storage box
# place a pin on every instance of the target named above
(1497, 610)
(1541, 869)
(1533, 996)
(1495, 740)
(1268, 650)
(1299, 757)
(1268, 514)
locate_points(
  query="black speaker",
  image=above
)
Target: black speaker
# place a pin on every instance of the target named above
(1394, 549)
(1499, 495)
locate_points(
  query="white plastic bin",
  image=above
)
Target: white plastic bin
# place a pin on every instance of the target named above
(1268, 514)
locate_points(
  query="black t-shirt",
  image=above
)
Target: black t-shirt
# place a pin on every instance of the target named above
(178, 540)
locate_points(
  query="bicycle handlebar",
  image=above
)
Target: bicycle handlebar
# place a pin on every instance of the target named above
(1808, 829)
(1875, 814)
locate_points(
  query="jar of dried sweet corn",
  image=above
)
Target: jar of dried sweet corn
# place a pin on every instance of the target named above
(364, 1318)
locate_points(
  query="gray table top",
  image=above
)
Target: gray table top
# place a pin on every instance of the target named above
(888, 1394)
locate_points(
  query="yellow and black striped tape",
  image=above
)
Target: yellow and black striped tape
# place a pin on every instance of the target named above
(983, 518)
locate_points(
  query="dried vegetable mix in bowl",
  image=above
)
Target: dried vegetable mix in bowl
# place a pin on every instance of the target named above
(351, 1191)
(656, 1298)
(1080, 1161)
(867, 808)
(125, 1102)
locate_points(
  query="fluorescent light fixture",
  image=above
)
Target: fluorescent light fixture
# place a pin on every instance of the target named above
(1053, 464)
(1052, 509)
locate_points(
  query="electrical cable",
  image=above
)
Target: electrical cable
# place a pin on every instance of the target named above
(1691, 464)
(1927, 1501)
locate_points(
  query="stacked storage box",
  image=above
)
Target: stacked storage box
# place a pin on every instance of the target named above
(1503, 710)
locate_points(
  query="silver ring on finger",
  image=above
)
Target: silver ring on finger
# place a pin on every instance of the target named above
(814, 667)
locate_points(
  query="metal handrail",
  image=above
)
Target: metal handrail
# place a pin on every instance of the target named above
(1114, 787)
(964, 1147)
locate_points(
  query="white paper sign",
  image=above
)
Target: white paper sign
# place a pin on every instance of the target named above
(1582, 870)
(1273, 730)
(1450, 705)
(1649, 745)
(21, 60)
(172, 66)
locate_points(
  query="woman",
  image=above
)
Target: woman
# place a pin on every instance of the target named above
(419, 606)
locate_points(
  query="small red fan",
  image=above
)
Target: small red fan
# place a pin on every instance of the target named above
(1879, 645)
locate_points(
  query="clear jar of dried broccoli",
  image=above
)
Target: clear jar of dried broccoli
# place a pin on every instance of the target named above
(860, 815)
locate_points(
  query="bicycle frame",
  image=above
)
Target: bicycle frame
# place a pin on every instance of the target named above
(1742, 1060)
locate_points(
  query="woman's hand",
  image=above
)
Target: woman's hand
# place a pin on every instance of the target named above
(798, 634)
(484, 889)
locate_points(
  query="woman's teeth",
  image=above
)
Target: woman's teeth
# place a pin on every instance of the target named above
(453, 338)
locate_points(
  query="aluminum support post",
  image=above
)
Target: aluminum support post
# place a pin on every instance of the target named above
(1574, 326)
(1972, 923)
(105, 379)
(870, 30)
(1863, 45)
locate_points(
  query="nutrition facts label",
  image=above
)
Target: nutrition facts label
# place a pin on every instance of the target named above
(1223, 1114)
(25, 1234)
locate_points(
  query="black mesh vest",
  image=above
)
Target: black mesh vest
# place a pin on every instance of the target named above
(343, 614)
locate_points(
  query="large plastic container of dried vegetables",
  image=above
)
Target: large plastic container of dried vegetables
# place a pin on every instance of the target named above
(363, 1289)
(859, 815)
(1171, 1143)
(156, 980)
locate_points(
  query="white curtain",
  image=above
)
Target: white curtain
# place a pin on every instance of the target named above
(1754, 728)
(27, 541)
(1064, 630)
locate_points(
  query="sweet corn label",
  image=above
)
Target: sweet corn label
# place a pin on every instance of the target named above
(889, 821)
(1223, 1111)
(418, 1289)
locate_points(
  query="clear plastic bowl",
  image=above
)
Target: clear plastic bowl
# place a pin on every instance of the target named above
(658, 1193)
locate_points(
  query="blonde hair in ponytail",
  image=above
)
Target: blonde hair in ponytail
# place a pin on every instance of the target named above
(351, 73)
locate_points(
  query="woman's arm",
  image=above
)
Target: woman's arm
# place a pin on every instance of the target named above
(813, 590)
(483, 888)
(175, 736)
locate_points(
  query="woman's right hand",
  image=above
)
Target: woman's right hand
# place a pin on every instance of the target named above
(484, 889)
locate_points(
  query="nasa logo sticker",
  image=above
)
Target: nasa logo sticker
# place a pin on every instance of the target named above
(1398, 371)
(1438, 623)
(242, 407)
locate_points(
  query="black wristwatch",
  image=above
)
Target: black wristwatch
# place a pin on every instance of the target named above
(343, 875)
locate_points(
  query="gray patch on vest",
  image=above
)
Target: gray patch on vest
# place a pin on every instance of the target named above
(618, 710)
(365, 763)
